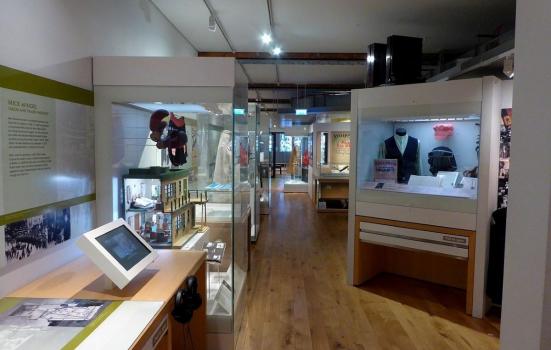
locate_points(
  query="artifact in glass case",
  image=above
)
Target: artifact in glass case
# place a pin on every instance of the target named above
(169, 131)
(430, 157)
(157, 205)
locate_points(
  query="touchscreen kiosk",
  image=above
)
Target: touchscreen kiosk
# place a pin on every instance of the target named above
(118, 251)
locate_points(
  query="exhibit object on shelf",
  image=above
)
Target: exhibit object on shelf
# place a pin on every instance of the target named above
(169, 132)
(157, 205)
(46, 323)
(386, 170)
(223, 166)
(118, 251)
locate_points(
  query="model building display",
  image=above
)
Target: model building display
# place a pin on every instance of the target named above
(157, 205)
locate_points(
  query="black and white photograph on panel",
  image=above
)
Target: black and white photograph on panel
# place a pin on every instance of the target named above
(28, 237)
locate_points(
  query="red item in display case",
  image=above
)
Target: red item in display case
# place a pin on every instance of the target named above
(305, 159)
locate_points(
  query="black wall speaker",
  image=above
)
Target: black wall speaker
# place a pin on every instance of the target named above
(404, 57)
(376, 64)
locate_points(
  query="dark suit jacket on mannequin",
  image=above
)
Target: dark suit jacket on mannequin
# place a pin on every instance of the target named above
(408, 162)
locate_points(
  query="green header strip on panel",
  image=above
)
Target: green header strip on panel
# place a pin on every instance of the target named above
(8, 303)
(29, 213)
(14, 79)
(83, 334)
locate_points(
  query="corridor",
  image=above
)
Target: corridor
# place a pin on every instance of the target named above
(298, 297)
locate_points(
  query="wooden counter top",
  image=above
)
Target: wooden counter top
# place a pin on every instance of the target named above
(81, 279)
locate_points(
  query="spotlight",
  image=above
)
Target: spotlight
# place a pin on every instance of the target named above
(266, 39)
(276, 51)
(212, 23)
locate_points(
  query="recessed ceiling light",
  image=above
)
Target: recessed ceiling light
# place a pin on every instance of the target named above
(266, 38)
(276, 51)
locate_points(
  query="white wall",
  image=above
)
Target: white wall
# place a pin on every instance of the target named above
(507, 94)
(55, 38)
(526, 314)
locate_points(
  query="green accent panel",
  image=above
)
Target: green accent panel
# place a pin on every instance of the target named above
(8, 303)
(14, 79)
(27, 213)
(84, 333)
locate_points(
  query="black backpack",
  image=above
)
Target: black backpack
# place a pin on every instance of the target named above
(441, 159)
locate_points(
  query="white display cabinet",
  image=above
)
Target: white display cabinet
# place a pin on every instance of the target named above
(423, 183)
(331, 166)
(210, 95)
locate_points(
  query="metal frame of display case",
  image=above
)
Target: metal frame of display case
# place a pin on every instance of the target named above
(413, 228)
(214, 83)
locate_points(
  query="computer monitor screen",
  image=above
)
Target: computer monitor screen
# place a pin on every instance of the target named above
(124, 246)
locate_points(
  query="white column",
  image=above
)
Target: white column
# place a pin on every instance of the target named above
(526, 314)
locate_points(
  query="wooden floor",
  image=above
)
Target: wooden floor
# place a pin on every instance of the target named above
(298, 297)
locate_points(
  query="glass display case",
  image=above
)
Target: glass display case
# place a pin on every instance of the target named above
(254, 170)
(263, 159)
(333, 170)
(297, 164)
(421, 156)
(425, 160)
(190, 118)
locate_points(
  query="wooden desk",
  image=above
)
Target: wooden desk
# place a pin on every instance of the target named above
(81, 279)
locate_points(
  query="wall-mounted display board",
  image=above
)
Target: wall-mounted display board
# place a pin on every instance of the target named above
(47, 172)
(340, 147)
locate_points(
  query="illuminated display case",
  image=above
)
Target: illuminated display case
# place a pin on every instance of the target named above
(332, 167)
(432, 159)
(209, 98)
(423, 182)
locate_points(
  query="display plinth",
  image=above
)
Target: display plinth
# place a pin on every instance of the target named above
(81, 279)
(295, 186)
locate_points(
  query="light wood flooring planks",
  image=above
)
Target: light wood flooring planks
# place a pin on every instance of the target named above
(298, 297)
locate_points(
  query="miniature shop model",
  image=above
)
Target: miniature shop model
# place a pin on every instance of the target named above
(157, 205)
(424, 168)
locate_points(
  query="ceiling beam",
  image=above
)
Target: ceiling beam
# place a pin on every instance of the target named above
(271, 101)
(295, 56)
(290, 86)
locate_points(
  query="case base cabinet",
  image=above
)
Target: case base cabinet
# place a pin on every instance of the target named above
(331, 195)
(435, 254)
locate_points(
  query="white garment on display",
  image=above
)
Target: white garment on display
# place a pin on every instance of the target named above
(223, 166)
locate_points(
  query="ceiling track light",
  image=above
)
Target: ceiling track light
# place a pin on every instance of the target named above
(212, 23)
(266, 38)
(276, 51)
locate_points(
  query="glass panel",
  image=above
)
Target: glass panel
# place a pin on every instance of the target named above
(191, 206)
(420, 157)
(241, 213)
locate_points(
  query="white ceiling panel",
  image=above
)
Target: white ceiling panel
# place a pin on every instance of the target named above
(322, 74)
(261, 73)
(350, 25)
(244, 21)
(191, 17)
(339, 25)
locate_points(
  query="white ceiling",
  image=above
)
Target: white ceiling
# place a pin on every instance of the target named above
(334, 26)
